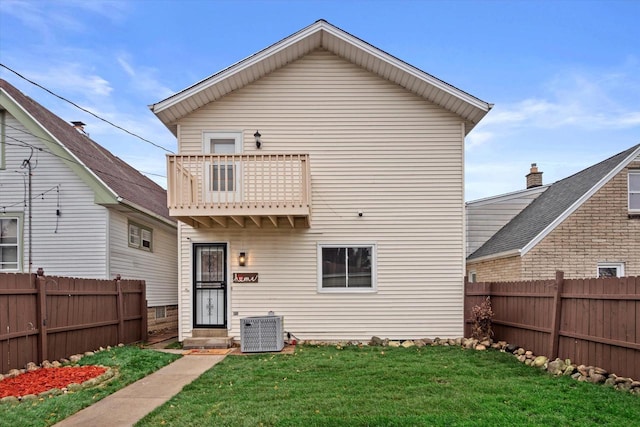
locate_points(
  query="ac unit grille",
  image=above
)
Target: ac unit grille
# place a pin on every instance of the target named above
(259, 334)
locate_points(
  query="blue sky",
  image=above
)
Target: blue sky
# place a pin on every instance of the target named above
(564, 75)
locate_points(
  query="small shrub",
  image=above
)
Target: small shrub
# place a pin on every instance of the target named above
(481, 316)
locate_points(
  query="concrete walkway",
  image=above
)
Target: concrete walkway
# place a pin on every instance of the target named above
(128, 405)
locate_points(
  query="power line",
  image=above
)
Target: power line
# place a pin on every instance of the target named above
(55, 142)
(26, 144)
(85, 110)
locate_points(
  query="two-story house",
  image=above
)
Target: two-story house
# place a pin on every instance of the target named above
(320, 179)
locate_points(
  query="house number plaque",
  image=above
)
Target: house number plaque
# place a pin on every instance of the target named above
(245, 277)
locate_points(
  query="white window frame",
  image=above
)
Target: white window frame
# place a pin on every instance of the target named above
(630, 191)
(374, 268)
(218, 196)
(473, 277)
(18, 245)
(137, 232)
(619, 266)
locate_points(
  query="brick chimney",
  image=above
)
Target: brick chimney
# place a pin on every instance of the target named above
(79, 126)
(534, 178)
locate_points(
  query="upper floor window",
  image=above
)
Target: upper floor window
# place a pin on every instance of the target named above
(634, 191)
(9, 244)
(140, 237)
(347, 268)
(610, 269)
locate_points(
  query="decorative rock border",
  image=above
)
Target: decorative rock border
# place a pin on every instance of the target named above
(73, 387)
(557, 367)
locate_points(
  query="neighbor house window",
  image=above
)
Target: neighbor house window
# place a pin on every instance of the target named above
(634, 191)
(610, 269)
(472, 277)
(348, 267)
(9, 244)
(140, 237)
(161, 312)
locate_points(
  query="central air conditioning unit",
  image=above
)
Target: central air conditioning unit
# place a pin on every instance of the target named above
(259, 334)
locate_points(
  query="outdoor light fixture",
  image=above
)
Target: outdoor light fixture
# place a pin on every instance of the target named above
(242, 259)
(257, 136)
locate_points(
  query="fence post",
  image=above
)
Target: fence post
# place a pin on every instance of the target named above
(41, 313)
(144, 333)
(557, 311)
(120, 305)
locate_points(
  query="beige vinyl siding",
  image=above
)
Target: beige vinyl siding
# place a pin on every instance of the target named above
(73, 244)
(485, 217)
(373, 147)
(158, 268)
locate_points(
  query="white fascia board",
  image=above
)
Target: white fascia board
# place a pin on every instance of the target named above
(571, 209)
(500, 255)
(73, 157)
(307, 32)
(507, 196)
(237, 67)
(409, 69)
(148, 212)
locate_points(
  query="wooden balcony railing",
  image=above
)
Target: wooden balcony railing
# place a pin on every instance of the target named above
(210, 188)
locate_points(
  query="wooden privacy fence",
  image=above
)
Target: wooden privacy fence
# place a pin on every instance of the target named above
(590, 321)
(49, 318)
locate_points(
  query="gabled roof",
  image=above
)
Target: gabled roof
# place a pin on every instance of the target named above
(323, 35)
(552, 207)
(113, 180)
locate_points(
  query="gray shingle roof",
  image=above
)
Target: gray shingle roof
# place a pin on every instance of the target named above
(551, 204)
(119, 176)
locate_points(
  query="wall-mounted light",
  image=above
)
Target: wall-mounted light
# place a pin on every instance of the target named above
(242, 259)
(257, 137)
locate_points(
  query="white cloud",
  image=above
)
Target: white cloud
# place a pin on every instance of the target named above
(71, 78)
(142, 78)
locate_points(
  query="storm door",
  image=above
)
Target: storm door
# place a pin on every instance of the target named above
(210, 285)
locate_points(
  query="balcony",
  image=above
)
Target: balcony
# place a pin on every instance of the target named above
(210, 190)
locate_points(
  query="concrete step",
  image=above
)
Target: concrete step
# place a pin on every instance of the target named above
(209, 333)
(207, 342)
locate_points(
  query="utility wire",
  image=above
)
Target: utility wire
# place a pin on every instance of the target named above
(55, 142)
(26, 144)
(84, 109)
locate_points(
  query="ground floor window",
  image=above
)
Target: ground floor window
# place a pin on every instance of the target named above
(610, 269)
(346, 267)
(9, 244)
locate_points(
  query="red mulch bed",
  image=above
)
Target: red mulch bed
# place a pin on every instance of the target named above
(35, 382)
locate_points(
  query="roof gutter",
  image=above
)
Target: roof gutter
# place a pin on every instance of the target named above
(145, 211)
(500, 255)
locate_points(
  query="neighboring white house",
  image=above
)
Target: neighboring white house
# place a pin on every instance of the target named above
(320, 179)
(488, 215)
(92, 215)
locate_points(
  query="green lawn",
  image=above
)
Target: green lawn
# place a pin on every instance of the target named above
(131, 363)
(374, 386)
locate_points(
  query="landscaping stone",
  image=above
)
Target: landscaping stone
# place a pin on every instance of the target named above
(13, 373)
(419, 343)
(47, 364)
(610, 382)
(75, 358)
(480, 347)
(427, 341)
(522, 358)
(89, 353)
(10, 399)
(520, 351)
(511, 348)
(556, 367)
(597, 378)
(539, 361)
(569, 370)
(394, 343)
(408, 343)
